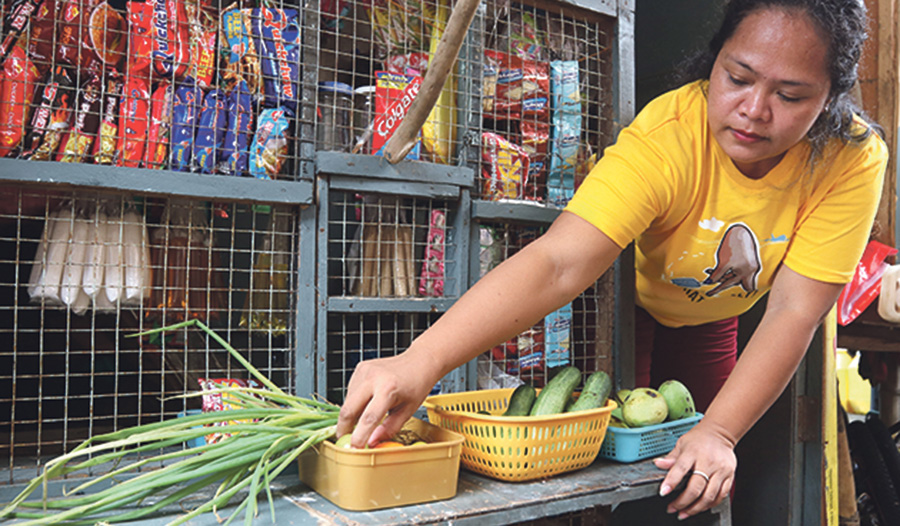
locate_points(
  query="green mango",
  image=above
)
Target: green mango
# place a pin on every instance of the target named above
(678, 399)
(644, 407)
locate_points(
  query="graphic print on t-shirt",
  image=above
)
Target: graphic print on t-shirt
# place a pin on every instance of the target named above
(737, 261)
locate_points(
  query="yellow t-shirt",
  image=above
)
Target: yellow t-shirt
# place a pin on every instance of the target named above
(696, 219)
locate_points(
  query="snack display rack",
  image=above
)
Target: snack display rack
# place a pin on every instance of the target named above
(248, 157)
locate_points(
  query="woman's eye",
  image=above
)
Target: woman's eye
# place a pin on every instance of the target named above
(736, 81)
(788, 98)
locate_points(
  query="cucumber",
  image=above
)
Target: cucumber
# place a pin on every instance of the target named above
(554, 395)
(596, 390)
(521, 400)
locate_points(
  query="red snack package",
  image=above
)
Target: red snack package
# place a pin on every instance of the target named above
(78, 142)
(504, 168)
(134, 113)
(91, 34)
(535, 141)
(140, 47)
(865, 286)
(52, 118)
(159, 131)
(16, 90)
(170, 41)
(40, 36)
(431, 280)
(516, 87)
(203, 51)
(14, 23)
(107, 136)
(530, 345)
(409, 64)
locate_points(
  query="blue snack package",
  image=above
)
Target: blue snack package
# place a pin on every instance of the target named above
(276, 39)
(565, 137)
(233, 160)
(211, 123)
(270, 143)
(184, 110)
(557, 336)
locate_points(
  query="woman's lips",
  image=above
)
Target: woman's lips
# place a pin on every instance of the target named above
(746, 136)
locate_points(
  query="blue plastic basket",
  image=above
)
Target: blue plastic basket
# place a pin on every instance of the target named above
(629, 445)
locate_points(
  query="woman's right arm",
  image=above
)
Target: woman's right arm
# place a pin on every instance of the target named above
(546, 274)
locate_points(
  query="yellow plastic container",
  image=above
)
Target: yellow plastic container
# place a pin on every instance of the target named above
(369, 479)
(518, 448)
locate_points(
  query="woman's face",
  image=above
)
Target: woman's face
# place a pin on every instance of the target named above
(768, 85)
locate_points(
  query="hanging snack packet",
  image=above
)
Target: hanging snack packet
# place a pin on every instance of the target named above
(237, 49)
(160, 130)
(233, 160)
(203, 34)
(276, 38)
(394, 95)
(107, 137)
(52, 118)
(185, 107)
(504, 168)
(530, 350)
(16, 91)
(535, 137)
(91, 34)
(211, 123)
(18, 15)
(431, 280)
(134, 116)
(557, 336)
(566, 132)
(41, 38)
(78, 143)
(171, 44)
(140, 46)
(269, 148)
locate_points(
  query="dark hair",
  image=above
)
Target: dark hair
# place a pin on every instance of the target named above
(842, 23)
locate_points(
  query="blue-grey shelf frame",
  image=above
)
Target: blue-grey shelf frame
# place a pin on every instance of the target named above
(166, 183)
(338, 171)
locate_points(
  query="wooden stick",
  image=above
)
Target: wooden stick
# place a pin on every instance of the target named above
(439, 68)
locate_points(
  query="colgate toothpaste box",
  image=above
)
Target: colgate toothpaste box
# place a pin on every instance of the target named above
(394, 95)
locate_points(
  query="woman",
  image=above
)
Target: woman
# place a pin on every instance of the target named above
(758, 178)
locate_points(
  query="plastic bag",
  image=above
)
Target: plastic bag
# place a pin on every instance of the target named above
(865, 284)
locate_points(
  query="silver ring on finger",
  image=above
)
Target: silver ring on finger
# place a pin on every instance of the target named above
(702, 474)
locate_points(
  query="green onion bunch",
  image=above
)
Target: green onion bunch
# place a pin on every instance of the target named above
(264, 435)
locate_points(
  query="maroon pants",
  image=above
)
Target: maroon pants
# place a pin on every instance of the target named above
(701, 356)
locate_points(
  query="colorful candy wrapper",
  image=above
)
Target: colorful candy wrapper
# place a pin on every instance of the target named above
(211, 123)
(217, 401)
(276, 37)
(185, 108)
(504, 168)
(107, 137)
(17, 17)
(80, 140)
(160, 130)
(134, 117)
(16, 91)
(566, 132)
(40, 34)
(170, 40)
(394, 95)
(203, 36)
(431, 280)
(233, 160)
(53, 116)
(140, 48)
(557, 336)
(90, 35)
(269, 148)
(238, 51)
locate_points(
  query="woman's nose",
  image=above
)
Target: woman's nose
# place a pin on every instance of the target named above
(755, 106)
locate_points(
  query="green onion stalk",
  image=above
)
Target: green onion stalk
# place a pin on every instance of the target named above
(266, 433)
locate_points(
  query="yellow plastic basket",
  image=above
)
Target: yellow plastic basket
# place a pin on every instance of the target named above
(518, 448)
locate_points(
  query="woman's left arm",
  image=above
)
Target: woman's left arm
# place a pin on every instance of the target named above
(795, 308)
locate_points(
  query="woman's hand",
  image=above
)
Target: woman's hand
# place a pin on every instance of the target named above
(394, 386)
(706, 458)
